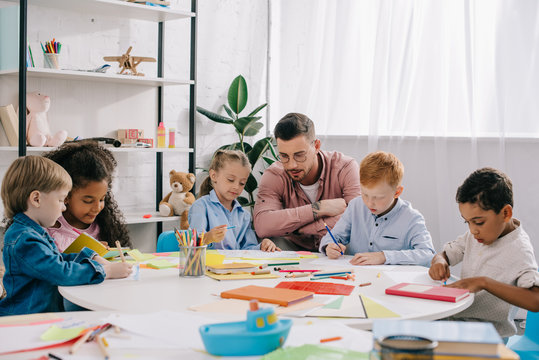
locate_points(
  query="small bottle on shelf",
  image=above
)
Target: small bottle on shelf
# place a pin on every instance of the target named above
(161, 133)
(171, 138)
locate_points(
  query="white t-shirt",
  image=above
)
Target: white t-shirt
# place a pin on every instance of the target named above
(311, 191)
(510, 260)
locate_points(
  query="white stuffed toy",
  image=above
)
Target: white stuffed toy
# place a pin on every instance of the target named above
(38, 132)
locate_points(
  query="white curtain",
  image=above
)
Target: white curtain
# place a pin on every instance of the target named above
(446, 85)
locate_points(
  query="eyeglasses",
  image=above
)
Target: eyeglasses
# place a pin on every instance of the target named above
(302, 157)
(298, 157)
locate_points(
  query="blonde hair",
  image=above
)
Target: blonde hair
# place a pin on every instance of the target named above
(379, 166)
(27, 174)
(218, 162)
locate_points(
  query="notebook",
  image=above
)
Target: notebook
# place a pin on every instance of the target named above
(232, 268)
(428, 292)
(317, 287)
(85, 240)
(454, 337)
(270, 295)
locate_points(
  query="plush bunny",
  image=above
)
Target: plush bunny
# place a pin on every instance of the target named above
(38, 132)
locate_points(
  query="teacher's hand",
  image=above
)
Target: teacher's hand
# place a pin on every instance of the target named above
(369, 258)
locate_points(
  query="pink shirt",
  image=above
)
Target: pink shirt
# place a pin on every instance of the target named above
(65, 235)
(283, 209)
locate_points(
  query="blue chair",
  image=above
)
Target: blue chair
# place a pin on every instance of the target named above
(527, 346)
(166, 242)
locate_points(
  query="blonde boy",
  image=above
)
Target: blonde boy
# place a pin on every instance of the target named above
(378, 227)
(496, 253)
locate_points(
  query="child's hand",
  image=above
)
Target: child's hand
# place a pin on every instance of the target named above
(117, 270)
(217, 234)
(473, 284)
(439, 268)
(106, 244)
(333, 250)
(100, 260)
(369, 258)
(268, 245)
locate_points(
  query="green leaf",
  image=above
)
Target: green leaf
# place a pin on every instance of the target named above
(215, 117)
(259, 148)
(251, 184)
(244, 123)
(253, 113)
(268, 160)
(237, 94)
(272, 149)
(242, 200)
(236, 146)
(230, 112)
(253, 129)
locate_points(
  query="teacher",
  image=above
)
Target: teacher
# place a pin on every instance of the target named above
(305, 189)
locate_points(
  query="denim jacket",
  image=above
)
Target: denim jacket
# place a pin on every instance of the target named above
(35, 268)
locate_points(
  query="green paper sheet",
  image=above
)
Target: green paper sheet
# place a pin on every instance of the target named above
(138, 256)
(335, 304)
(314, 352)
(160, 264)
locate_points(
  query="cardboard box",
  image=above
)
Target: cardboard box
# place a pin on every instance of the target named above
(10, 122)
(130, 134)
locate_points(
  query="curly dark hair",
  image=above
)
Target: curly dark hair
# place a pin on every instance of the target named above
(87, 161)
(489, 188)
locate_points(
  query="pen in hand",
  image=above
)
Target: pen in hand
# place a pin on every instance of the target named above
(335, 241)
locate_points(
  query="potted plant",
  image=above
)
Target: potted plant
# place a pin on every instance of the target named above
(245, 126)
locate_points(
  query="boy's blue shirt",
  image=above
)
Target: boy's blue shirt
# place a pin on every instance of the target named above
(35, 268)
(208, 212)
(401, 233)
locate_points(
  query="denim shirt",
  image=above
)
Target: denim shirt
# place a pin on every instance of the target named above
(208, 212)
(35, 268)
(400, 234)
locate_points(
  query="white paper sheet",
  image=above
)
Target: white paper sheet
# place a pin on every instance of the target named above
(352, 339)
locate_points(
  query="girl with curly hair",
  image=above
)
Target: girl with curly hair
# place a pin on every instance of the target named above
(90, 205)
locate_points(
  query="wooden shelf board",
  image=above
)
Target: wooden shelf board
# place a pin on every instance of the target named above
(136, 218)
(92, 76)
(115, 8)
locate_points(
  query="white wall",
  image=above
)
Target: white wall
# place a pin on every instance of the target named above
(232, 38)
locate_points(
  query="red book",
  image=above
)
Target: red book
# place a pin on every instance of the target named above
(428, 292)
(317, 287)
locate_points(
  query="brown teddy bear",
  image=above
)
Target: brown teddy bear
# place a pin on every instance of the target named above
(179, 200)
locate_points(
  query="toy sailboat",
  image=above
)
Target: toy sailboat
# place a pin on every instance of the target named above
(259, 335)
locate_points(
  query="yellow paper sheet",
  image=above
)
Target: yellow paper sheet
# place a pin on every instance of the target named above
(375, 310)
(241, 276)
(55, 333)
(138, 256)
(214, 258)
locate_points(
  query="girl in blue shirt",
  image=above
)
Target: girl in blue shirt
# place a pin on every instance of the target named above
(33, 192)
(217, 207)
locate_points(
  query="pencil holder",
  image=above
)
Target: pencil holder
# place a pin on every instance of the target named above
(193, 260)
(51, 61)
(404, 347)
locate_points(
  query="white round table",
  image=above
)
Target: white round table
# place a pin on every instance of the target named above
(166, 290)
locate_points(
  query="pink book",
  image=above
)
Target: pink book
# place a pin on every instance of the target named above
(428, 292)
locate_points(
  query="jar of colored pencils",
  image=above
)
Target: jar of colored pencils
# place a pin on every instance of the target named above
(193, 260)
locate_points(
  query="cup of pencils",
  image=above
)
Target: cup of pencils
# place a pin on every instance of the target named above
(193, 260)
(192, 252)
(51, 54)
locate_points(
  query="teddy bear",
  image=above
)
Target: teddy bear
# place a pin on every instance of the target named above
(179, 200)
(38, 132)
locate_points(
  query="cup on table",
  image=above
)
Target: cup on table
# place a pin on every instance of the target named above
(193, 260)
(51, 60)
(400, 347)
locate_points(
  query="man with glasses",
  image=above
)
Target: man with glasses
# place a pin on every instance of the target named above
(305, 189)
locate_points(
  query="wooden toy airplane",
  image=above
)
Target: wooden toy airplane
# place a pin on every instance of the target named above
(128, 62)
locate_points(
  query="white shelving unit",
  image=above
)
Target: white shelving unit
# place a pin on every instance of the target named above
(126, 10)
